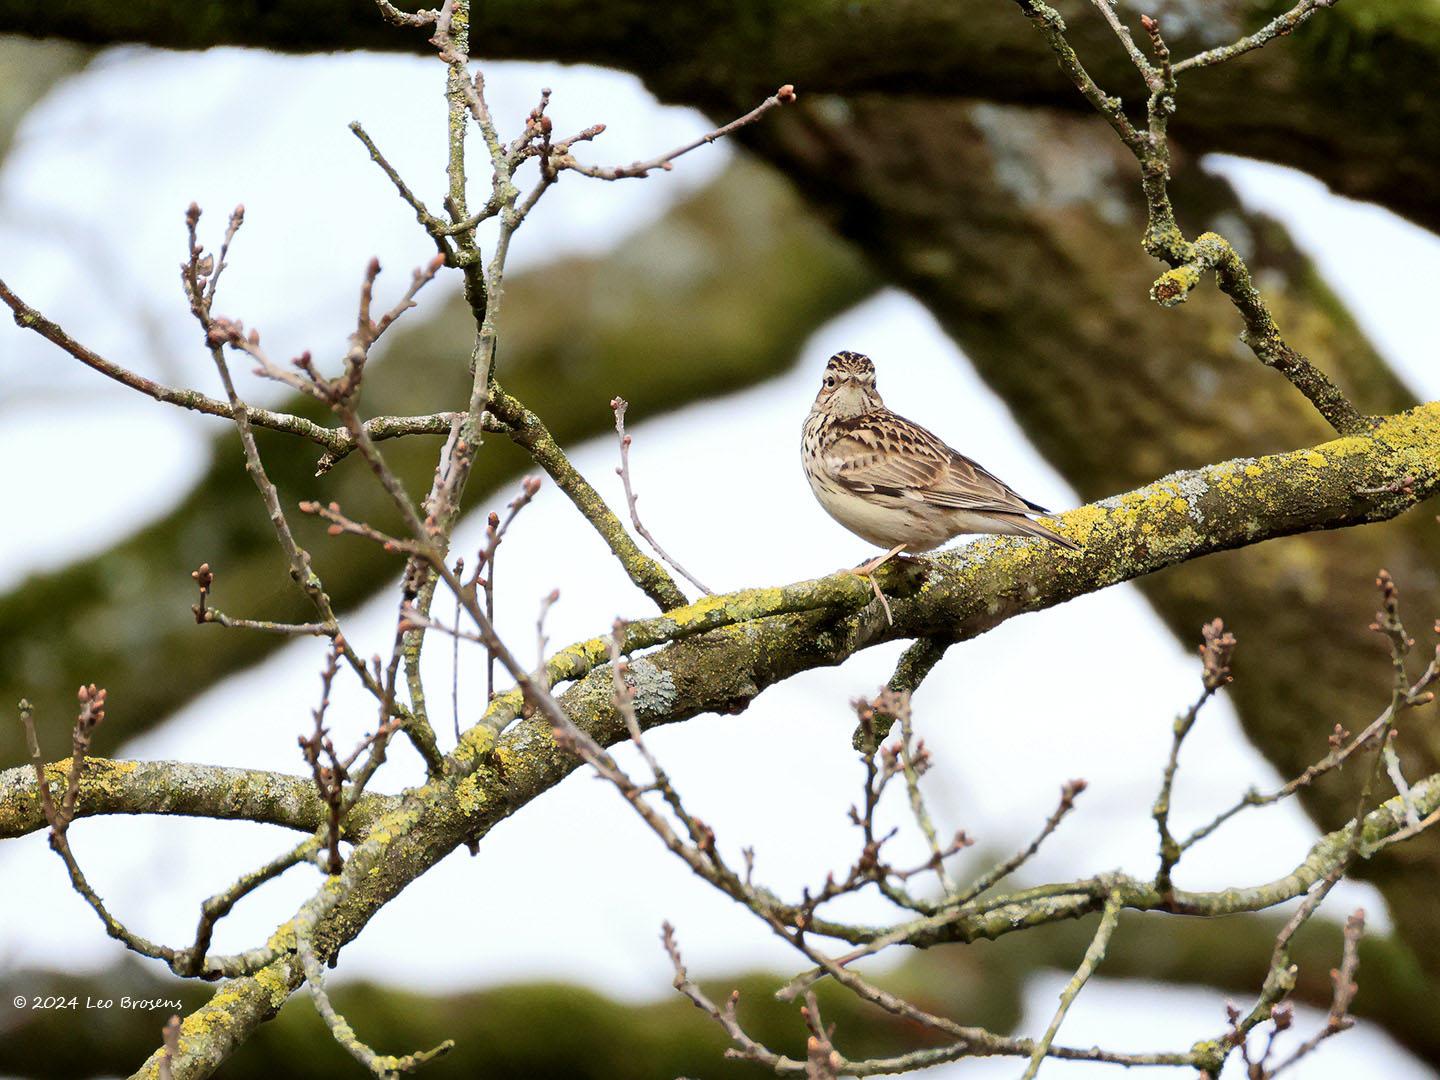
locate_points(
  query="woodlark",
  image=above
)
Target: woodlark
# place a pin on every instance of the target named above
(895, 484)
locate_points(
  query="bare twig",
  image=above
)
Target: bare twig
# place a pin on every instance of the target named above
(619, 404)
(527, 430)
(329, 778)
(992, 877)
(915, 761)
(170, 1047)
(336, 442)
(1107, 9)
(1215, 655)
(784, 96)
(1279, 26)
(381, 1065)
(1093, 955)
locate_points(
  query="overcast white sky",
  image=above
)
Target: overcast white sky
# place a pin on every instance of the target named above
(90, 231)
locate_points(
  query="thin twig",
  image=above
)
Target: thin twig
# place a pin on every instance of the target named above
(1107, 9)
(337, 443)
(1215, 655)
(1093, 955)
(1279, 26)
(992, 877)
(784, 96)
(527, 430)
(619, 404)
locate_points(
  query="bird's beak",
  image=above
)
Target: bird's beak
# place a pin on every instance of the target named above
(849, 396)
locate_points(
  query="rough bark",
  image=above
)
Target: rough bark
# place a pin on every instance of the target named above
(1345, 98)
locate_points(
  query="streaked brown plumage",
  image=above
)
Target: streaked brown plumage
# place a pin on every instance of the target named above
(894, 483)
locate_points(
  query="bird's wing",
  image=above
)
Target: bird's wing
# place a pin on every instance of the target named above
(885, 454)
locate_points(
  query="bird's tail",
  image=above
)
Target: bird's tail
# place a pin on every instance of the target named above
(1023, 526)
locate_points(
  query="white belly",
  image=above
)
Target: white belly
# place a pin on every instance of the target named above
(883, 523)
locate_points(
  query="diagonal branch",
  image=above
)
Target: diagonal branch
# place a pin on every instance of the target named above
(1178, 518)
(526, 429)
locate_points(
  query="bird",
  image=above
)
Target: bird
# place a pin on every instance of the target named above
(896, 484)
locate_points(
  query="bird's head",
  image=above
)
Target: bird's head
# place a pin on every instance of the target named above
(848, 388)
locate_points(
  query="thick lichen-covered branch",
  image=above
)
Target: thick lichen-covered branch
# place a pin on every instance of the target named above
(724, 650)
(1184, 516)
(174, 787)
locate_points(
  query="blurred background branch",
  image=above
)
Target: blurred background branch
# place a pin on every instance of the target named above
(549, 1029)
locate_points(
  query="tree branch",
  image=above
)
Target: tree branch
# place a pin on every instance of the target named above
(527, 430)
(1180, 517)
(174, 787)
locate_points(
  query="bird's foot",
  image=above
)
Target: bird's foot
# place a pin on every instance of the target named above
(867, 570)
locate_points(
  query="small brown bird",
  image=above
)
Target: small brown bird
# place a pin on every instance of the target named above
(895, 484)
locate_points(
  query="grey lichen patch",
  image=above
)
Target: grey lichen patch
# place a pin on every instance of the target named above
(1192, 486)
(655, 692)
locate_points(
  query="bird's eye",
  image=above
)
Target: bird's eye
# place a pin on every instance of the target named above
(829, 380)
